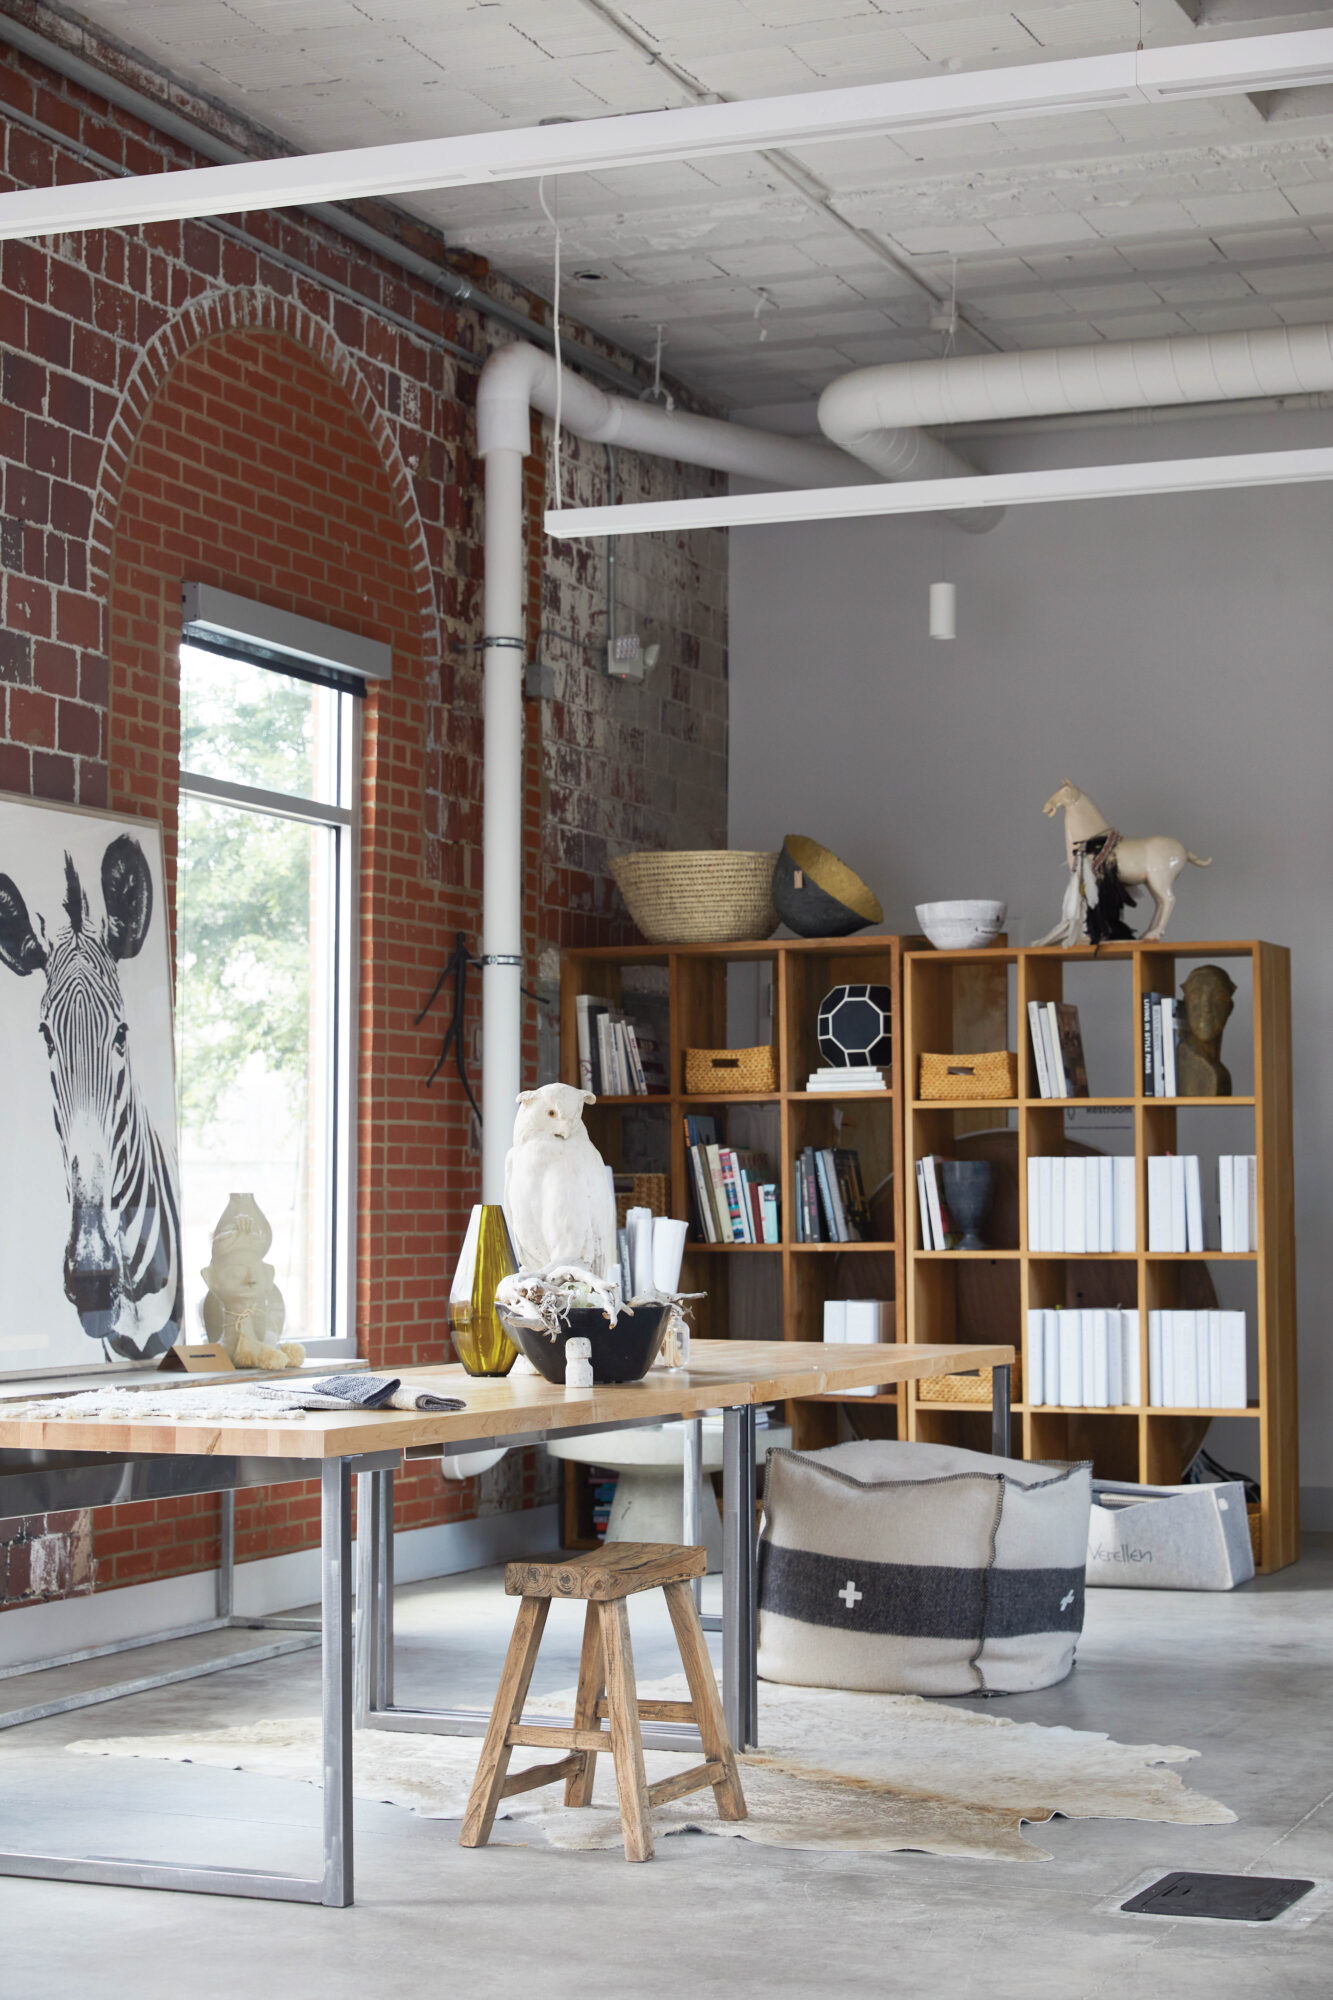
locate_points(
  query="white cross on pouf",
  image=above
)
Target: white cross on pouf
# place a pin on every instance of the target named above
(849, 1594)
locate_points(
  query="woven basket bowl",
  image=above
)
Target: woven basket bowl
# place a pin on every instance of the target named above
(715, 896)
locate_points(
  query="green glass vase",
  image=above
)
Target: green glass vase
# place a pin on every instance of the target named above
(483, 1346)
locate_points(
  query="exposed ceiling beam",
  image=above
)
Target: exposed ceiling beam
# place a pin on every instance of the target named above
(1193, 69)
(937, 496)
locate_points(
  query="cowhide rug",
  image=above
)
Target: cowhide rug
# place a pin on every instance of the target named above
(867, 1772)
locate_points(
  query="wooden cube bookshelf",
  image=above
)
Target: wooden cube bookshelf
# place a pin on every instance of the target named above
(759, 1289)
(975, 1000)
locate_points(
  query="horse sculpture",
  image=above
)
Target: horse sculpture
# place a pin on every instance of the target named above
(123, 1257)
(1105, 868)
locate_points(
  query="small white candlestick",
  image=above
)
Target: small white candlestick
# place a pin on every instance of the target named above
(578, 1364)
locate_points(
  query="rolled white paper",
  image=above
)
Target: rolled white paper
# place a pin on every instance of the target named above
(668, 1253)
(639, 1223)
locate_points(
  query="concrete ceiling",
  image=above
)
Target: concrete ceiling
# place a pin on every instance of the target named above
(772, 274)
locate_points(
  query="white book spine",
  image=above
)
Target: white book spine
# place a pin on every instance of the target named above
(1133, 1380)
(933, 1198)
(1177, 1243)
(1075, 1213)
(1071, 1359)
(1034, 1386)
(1045, 1203)
(1115, 1358)
(1056, 1168)
(1215, 1384)
(1034, 1199)
(923, 1207)
(1239, 1203)
(1123, 1175)
(1105, 1171)
(1193, 1204)
(1100, 1386)
(1091, 1205)
(1156, 1386)
(1054, 1053)
(1252, 1201)
(1159, 1202)
(1050, 1340)
(835, 1319)
(1233, 1385)
(1187, 1361)
(1039, 1049)
(584, 1040)
(1226, 1203)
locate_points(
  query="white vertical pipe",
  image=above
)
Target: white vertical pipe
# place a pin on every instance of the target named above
(502, 816)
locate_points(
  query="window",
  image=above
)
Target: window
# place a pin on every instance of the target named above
(266, 913)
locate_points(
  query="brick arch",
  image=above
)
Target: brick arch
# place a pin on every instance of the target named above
(253, 309)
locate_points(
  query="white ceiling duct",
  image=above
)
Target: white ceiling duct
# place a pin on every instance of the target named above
(859, 410)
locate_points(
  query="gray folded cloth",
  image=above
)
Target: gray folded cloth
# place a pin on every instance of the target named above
(233, 1397)
(353, 1391)
(425, 1399)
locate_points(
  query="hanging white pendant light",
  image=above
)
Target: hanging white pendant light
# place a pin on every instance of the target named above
(943, 611)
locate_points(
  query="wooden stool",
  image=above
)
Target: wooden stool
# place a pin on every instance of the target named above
(604, 1578)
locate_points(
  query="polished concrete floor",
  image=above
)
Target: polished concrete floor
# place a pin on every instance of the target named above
(1245, 1679)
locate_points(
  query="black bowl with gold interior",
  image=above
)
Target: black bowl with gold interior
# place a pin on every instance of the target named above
(816, 895)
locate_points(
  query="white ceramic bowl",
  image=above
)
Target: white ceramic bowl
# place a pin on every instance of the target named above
(961, 926)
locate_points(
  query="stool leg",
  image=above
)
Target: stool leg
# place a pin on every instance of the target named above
(578, 1788)
(707, 1702)
(510, 1696)
(626, 1741)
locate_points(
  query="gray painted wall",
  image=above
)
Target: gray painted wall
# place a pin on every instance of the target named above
(1170, 655)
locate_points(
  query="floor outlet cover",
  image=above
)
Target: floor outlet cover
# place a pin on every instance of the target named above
(1243, 1899)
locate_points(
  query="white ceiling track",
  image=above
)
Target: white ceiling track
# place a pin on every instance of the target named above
(938, 496)
(1146, 76)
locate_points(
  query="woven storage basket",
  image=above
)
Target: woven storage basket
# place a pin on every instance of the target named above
(991, 1074)
(715, 896)
(719, 1072)
(649, 1191)
(964, 1388)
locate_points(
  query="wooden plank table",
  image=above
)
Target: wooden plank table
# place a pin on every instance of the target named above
(371, 1444)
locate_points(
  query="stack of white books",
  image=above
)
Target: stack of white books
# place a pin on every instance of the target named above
(1175, 1203)
(1196, 1360)
(1238, 1201)
(1079, 1207)
(858, 1076)
(1086, 1359)
(859, 1322)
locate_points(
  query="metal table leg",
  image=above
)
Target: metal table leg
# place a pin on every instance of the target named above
(334, 1885)
(693, 1429)
(999, 1419)
(740, 1680)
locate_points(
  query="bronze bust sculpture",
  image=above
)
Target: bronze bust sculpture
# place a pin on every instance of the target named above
(1200, 1070)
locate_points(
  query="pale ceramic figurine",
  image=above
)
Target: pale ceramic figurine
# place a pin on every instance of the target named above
(558, 1199)
(1200, 1070)
(1103, 868)
(243, 1309)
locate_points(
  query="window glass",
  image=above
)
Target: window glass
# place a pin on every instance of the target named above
(251, 726)
(264, 925)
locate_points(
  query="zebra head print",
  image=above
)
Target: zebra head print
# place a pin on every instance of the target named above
(122, 1265)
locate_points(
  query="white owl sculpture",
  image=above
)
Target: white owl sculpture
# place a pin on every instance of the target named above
(557, 1195)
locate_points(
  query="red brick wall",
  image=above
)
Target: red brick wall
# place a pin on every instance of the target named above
(175, 404)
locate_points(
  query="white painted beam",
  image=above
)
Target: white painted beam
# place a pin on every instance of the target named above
(1191, 69)
(937, 496)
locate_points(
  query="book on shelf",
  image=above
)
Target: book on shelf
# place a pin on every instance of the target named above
(1159, 1045)
(857, 1323)
(831, 1205)
(618, 1056)
(1081, 1204)
(1196, 1360)
(937, 1230)
(1057, 1048)
(1175, 1204)
(1085, 1358)
(1238, 1202)
(842, 1082)
(735, 1199)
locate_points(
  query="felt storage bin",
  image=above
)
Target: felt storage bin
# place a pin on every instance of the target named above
(1169, 1537)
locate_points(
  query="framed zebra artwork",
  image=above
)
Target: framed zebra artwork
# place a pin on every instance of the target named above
(90, 1240)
